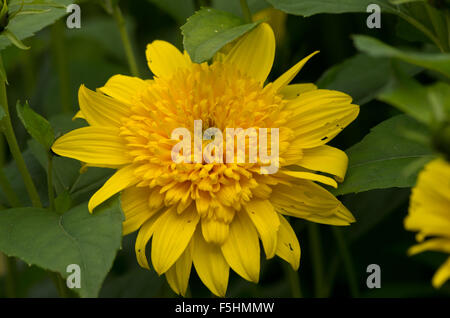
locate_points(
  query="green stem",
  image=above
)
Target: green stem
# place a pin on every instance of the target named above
(246, 11)
(60, 58)
(348, 262)
(51, 193)
(11, 277)
(14, 146)
(117, 13)
(316, 256)
(6, 187)
(294, 281)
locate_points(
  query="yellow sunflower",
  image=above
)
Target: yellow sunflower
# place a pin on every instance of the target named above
(213, 215)
(429, 214)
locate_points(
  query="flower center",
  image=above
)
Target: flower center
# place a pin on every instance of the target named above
(219, 96)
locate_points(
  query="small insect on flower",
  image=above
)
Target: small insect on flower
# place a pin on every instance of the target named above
(429, 214)
(213, 215)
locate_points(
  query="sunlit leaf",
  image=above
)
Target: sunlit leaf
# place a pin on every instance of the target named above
(208, 30)
(24, 26)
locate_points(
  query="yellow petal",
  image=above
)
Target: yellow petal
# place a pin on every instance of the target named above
(164, 59)
(101, 110)
(214, 231)
(241, 249)
(94, 146)
(123, 88)
(210, 265)
(325, 159)
(173, 232)
(267, 223)
(144, 235)
(288, 247)
(276, 19)
(311, 176)
(80, 115)
(307, 200)
(136, 208)
(122, 179)
(295, 90)
(319, 115)
(287, 77)
(254, 53)
(442, 275)
(436, 244)
(178, 275)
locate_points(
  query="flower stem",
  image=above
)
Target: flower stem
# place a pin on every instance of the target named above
(14, 146)
(348, 262)
(246, 11)
(60, 58)
(294, 281)
(51, 193)
(317, 260)
(117, 13)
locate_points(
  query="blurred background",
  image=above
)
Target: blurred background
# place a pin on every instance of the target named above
(60, 60)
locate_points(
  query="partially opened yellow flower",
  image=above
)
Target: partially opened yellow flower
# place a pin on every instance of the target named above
(429, 214)
(213, 215)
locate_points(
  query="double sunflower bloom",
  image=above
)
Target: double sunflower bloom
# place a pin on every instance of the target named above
(213, 215)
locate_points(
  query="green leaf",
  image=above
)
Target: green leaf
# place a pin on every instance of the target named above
(390, 156)
(348, 76)
(427, 104)
(63, 202)
(409, 96)
(208, 30)
(180, 10)
(439, 62)
(307, 8)
(36, 125)
(14, 40)
(24, 26)
(52, 241)
(439, 98)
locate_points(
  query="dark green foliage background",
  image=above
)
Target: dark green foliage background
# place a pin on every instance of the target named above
(94, 53)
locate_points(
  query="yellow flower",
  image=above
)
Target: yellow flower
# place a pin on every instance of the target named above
(429, 214)
(213, 215)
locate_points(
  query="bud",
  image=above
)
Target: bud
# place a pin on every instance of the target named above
(441, 139)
